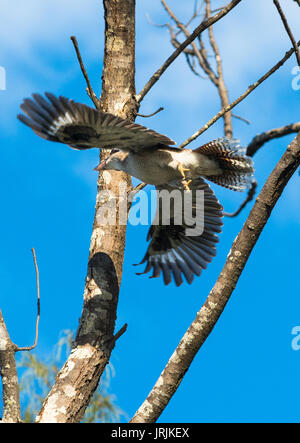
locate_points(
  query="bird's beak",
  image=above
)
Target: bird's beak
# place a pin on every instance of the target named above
(101, 166)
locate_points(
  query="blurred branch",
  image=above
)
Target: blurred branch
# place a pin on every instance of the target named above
(218, 297)
(250, 89)
(204, 25)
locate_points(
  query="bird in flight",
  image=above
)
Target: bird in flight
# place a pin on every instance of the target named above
(174, 251)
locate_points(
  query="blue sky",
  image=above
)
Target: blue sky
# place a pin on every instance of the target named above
(247, 369)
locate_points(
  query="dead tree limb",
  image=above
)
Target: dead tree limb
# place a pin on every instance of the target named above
(216, 301)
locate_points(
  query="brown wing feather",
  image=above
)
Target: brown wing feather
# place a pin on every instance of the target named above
(172, 251)
(62, 120)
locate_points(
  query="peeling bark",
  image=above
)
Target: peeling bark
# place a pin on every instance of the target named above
(94, 342)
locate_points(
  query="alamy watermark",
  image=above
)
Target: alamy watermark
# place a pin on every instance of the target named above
(2, 79)
(296, 80)
(176, 207)
(296, 340)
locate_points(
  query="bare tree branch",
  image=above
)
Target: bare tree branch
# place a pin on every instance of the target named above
(206, 68)
(216, 301)
(29, 348)
(288, 30)
(239, 99)
(241, 118)
(259, 140)
(223, 92)
(204, 25)
(150, 115)
(201, 55)
(89, 88)
(249, 198)
(11, 396)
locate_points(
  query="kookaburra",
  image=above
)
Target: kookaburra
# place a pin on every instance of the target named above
(151, 158)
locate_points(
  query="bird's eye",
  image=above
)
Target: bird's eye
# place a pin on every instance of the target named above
(113, 151)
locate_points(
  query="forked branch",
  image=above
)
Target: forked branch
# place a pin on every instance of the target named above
(204, 25)
(250, 89)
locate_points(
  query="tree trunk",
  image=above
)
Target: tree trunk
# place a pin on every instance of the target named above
(94, 342)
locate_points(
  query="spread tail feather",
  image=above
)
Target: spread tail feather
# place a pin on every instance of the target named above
(237, 167)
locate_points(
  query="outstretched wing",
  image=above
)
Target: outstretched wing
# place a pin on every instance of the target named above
(184, 247)
(62, 120)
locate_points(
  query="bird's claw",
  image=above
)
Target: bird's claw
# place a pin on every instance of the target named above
(182, 170)
(186, 184)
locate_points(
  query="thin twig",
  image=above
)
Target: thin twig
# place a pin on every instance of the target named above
(239, 99)
(89, 88)
(151, 115)
(120, 332)
(29, 348)
(113, 339)
(241, 118)
(188, 52)
(249, 198)
(138, 188)
(288, 30)
(133, 193)
(204, 25)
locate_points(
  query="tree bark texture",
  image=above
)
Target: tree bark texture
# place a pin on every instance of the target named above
(94, 342)
(8, 372)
